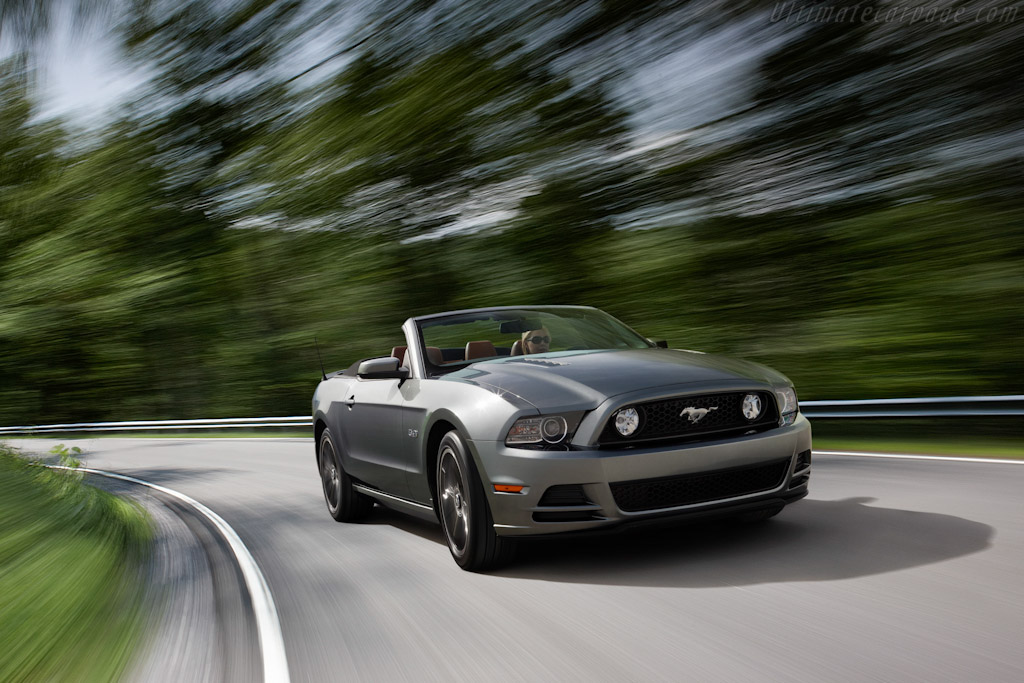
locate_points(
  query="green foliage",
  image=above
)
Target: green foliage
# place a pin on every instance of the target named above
(68, 457)
(70, 576)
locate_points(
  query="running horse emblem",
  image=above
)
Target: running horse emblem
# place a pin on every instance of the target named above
(696, 414)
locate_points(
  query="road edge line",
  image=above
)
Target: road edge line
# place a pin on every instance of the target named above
(268, 624)
(911, 456)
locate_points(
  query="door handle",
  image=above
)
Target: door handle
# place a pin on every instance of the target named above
(350, 401)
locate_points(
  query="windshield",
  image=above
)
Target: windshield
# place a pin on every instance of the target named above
(453, 341)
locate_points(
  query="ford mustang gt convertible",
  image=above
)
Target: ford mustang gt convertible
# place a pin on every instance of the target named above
(510, 422)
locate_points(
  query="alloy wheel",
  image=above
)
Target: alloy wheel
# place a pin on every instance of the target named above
(454, 505)
(330, 475)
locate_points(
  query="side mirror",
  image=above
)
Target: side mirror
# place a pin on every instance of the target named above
(382, 368)
(661, 344)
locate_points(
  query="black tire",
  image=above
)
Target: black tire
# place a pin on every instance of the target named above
(464, 512)
(343, 502)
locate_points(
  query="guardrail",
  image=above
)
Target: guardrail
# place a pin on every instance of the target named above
(948, 406)
(302, 421)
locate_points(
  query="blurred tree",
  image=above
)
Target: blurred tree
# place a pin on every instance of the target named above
(450, 143)
(29, 156)
(405, 148)
(869, 98)
(25, 24)
(212, 88)
(29, 163)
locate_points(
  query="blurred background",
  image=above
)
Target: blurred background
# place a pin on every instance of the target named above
(829, 188)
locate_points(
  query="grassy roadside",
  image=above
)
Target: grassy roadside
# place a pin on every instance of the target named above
(970, 437)
(991, 448)
(71, 583)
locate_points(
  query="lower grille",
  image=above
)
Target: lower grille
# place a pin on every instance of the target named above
(689, 489)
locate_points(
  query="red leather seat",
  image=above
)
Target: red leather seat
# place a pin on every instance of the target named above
(480, 349)
(435, 356)
(399, 353)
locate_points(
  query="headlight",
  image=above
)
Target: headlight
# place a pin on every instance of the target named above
(551, 429)
(788, 405)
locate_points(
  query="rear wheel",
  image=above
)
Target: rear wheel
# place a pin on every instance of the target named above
(343, 502)
(464, 512)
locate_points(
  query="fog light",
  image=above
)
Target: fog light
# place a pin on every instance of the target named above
(751, 406)
(627, 421)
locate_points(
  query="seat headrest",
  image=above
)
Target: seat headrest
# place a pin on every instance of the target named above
(480, 349)
(399, 353)
(434, 355)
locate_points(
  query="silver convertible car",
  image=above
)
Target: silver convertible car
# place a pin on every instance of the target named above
(521, 421)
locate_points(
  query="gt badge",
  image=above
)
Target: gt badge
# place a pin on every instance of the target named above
(696, 414)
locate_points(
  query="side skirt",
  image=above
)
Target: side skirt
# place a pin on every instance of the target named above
(405, 505)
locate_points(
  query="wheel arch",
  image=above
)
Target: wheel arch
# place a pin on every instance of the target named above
(441, 425)
(480, 425)
(319, 425)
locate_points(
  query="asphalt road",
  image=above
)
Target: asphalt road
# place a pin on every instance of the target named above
(891, 570)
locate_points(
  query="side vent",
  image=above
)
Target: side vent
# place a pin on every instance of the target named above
(802, 470)
(576, 506)
(803, 460)
(564, 494)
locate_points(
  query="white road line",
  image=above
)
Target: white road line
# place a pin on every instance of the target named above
(909, 456)
(268, 625)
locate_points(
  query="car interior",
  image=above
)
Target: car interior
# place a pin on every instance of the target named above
(473, 350)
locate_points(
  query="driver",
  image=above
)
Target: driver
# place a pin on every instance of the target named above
(536, 341)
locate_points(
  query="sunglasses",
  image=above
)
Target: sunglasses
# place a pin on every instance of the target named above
(539, 340)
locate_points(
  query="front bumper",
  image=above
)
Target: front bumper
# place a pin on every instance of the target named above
(521, 514)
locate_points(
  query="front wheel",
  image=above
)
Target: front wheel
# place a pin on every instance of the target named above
(343, 502)
(464, 512)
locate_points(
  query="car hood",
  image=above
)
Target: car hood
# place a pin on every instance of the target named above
(585, 379)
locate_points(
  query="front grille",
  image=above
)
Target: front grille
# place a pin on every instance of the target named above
(670, 419)
(689, 489)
